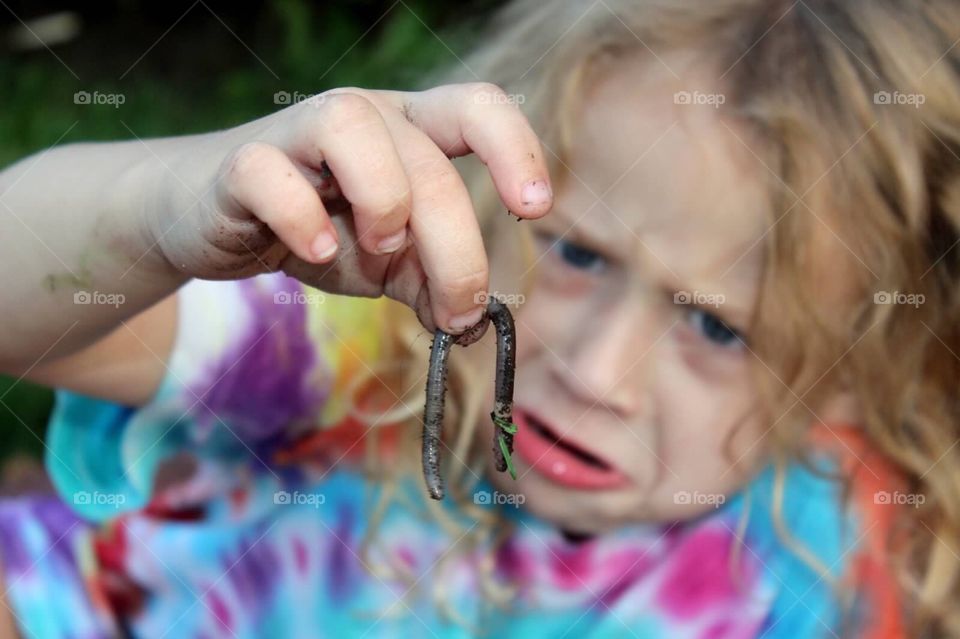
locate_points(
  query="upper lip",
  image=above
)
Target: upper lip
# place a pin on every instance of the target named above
(564, 439)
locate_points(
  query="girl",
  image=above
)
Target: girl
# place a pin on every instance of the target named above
(737, 344)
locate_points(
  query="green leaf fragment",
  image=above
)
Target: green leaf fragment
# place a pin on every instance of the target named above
(507, 427)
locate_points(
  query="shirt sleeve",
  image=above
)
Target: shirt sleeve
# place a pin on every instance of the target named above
(254, 362)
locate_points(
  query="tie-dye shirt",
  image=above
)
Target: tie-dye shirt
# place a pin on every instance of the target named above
(255, 544)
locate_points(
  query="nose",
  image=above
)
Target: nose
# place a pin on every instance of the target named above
(606, 361)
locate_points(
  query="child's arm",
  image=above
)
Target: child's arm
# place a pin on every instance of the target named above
(127, 366)
(91, 235)
(75, 252)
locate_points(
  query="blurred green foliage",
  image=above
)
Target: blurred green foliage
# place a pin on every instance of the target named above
(202, 73)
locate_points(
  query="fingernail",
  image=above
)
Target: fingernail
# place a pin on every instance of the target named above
(324, 245)
(465, 321)
(535, 193)
(392, 243)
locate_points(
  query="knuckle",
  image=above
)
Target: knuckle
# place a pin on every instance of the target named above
(485, 92)
(387, 221)
(403, 205)
(389, 211)
(436, 177)
(465, 283)
(393, 197)
(248, 159)
(399, 204)
(343, 110)
(298, 204)
(482, 96)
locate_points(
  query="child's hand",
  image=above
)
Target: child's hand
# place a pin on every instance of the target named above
(394, 219)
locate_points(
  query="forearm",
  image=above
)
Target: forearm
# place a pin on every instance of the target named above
(77, 248)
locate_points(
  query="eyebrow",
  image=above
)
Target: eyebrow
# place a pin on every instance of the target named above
(734, 315)
(731, 313)
(728, 309)
(581, 231)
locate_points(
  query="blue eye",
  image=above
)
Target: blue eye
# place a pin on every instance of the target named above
(578, 256)
(714, 330)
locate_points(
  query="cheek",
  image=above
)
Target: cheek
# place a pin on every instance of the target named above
(545, 322)
(715, 366)
(527, 344)
(562, 283)
(707, 415)
(747, 447)
(713, 447)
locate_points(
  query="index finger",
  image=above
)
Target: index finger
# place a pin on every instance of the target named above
(481, 118)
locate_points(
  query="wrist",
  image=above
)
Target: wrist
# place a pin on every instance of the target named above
(169, 187)
(145, 198)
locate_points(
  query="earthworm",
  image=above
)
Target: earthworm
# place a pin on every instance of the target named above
(433, 411)
(502, 414)
(504, 428)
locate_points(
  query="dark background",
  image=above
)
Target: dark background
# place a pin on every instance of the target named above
(186, 67)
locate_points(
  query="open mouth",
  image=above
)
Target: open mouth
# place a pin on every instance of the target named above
(573, 449)
(560, 460)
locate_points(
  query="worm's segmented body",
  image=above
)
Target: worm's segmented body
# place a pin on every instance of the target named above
(433, 411)
(502, 415)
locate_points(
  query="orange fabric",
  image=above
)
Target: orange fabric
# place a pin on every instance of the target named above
(872, 575)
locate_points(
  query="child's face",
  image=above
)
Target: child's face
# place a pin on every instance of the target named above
(663, 205)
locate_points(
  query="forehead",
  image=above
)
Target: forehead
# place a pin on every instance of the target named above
(673, 180)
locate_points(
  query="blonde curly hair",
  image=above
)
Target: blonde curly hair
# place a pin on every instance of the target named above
(854, 109)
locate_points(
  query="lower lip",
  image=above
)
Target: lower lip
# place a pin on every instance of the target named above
(558, 465)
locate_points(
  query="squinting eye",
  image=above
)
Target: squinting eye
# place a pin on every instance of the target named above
(714, 330)
(579, 257)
